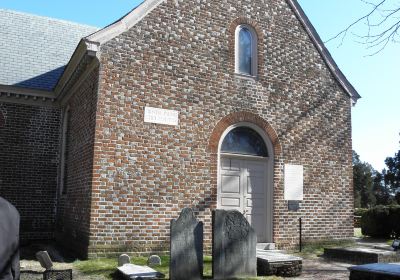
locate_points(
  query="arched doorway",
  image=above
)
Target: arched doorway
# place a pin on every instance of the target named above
(245, 176)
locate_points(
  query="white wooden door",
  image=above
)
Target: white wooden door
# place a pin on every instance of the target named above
(243, 188)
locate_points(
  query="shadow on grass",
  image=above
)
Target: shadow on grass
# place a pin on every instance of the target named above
(108, 267)
(316, 249)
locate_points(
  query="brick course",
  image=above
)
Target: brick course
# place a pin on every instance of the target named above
(29, 142)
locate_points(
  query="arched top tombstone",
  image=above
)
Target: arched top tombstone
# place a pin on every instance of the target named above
(154, 260)
(186, 251)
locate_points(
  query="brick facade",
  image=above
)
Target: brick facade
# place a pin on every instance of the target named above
(126, 179)
(29, 142)
(73, 219)
(180, 57)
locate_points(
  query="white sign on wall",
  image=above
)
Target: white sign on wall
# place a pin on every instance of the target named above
(161, 116)
(294, 176)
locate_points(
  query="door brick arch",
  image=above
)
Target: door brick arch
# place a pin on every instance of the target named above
(238, 117)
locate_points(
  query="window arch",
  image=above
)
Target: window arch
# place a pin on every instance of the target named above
(245, 141)
(245, 50)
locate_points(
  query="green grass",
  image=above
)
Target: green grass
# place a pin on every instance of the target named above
(389, 242)
(104, 267)
(357, 233)
(315, 249)
(107, 267)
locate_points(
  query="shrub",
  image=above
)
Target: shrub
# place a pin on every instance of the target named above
(381, 222)
(360, 211)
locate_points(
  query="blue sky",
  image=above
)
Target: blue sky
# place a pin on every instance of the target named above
(376, 117)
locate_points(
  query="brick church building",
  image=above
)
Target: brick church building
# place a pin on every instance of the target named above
(107, 134)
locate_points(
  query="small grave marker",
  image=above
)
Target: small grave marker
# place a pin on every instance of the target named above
(396, 245)
(123, 259)
(44, 259)
(154, 260)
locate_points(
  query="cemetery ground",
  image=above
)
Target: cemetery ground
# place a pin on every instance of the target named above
(314, 266)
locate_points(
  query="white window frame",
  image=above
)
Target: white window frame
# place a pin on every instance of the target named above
(254, 51)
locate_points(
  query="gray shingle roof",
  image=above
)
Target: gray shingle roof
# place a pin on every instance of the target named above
(34, 50)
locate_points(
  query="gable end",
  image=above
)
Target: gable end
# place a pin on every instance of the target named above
(137, 14)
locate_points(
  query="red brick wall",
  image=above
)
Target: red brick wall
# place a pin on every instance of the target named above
(180, 57)
(29, 141)
(75, 204)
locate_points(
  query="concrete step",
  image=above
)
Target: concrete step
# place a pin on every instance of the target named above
(275, 262)
(361, 255)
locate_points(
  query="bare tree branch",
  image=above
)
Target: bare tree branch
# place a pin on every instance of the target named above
(343, 33)
(382, 25)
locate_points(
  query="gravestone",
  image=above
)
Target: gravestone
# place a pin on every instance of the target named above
(234, 246)
(186, 247)
(396, 245)
(136, 272)
(44, 259)
(123, 259)
(154, 260)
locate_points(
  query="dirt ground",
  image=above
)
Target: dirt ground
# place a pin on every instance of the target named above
(321, 269)
(34, 271)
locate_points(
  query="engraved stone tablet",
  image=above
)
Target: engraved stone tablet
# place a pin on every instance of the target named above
(161, 116)
(294, 182)
(234, 246)
(123, 259)
(186, 262)
(154, 260)
(44, 259)
(131, 272)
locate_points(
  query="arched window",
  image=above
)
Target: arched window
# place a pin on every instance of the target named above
(245, 50)
(245, 141)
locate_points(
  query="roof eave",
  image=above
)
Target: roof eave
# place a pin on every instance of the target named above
(333, 67)
(84, 47)
(93, 41)
(125, 23)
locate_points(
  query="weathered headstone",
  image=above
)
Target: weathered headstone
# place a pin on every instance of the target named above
(396, 245)
(154, 260)
(186, 247)
(234, 246)
(44, 259)
(123, 259)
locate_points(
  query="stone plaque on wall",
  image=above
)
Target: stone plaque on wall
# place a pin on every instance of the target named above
(186, 260)
(234, 246)
(294, 182)
(161, 116)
